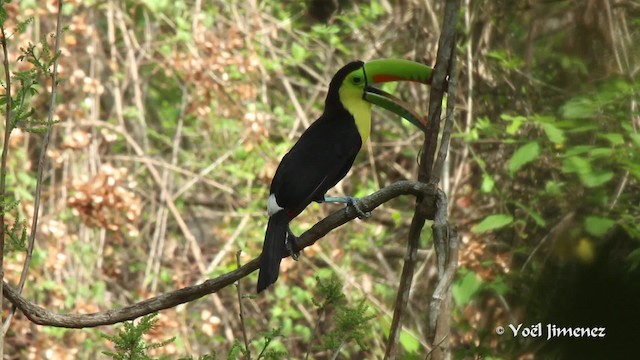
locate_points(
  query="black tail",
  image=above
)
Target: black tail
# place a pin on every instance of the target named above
(273, 249)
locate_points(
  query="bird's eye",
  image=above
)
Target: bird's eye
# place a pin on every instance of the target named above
(357, 79)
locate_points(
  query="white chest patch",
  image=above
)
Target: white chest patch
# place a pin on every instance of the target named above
(272, 205)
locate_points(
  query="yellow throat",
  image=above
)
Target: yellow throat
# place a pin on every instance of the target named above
(351, 99)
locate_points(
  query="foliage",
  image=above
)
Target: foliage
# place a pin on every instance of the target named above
(352, 322)
(41, 58)
(173, 118)
(351, 325)
(21, 115)
(265, 352)
(330, 292)
(557, 161)
(129, 343)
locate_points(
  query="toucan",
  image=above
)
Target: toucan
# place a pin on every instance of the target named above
(325, 152)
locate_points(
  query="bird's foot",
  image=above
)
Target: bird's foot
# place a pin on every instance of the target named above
(292, 245)
(361, 214)
(350, 201)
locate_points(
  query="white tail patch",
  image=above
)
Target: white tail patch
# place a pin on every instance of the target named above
(272, 205)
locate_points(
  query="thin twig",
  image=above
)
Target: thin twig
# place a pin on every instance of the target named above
(469, 116)
(242, 327)
(337, 352)
(314, 332)
(167, 180)
(446, 270)
(435, 346)
(41, 164)
(195, 177)
(43, 316)
(406, 278)
(129, 41)
(3, 168)
(445, 240)
(448, 123)
(155, 175)
(552, 233)
(228, 244)
(113, 58)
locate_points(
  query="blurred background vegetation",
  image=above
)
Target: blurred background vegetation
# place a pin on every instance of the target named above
(174, 116)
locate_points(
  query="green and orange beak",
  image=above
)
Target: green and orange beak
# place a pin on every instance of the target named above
(387, 70)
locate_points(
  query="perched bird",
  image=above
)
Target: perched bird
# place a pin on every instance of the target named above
(326, 150)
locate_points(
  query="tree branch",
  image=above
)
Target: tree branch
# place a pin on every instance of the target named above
(439, 84)
(445, 238)
(427, 208)
(42, 316)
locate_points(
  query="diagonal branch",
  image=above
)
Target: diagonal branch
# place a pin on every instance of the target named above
(43, 316)
(425, 208)
(445, 236)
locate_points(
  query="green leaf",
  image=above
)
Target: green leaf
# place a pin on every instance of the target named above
(487, 183)
(582, 129)
(298, 53)
(3, 15)
(614, 138)
(596, 179)
(582, 167)
(464, 289)
(506, 60)
(499, 285)
(539, 220)
(524, 155)
(635, 138)
(597, 226)
(601, 152)
(409, 342)
(492, 222)
(156, 5)
(575, 164)
(554, 134)
(553, 187)
(579, 108)
(516, 123)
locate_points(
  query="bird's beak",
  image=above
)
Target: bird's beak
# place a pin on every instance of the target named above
(386, 70)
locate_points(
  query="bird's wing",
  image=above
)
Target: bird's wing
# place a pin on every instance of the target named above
(314, 165)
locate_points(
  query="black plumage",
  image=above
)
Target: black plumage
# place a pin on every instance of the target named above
(317, 162)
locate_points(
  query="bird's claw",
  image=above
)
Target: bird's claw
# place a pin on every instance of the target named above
(350, 201)
(291, 241)
(361, 214)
